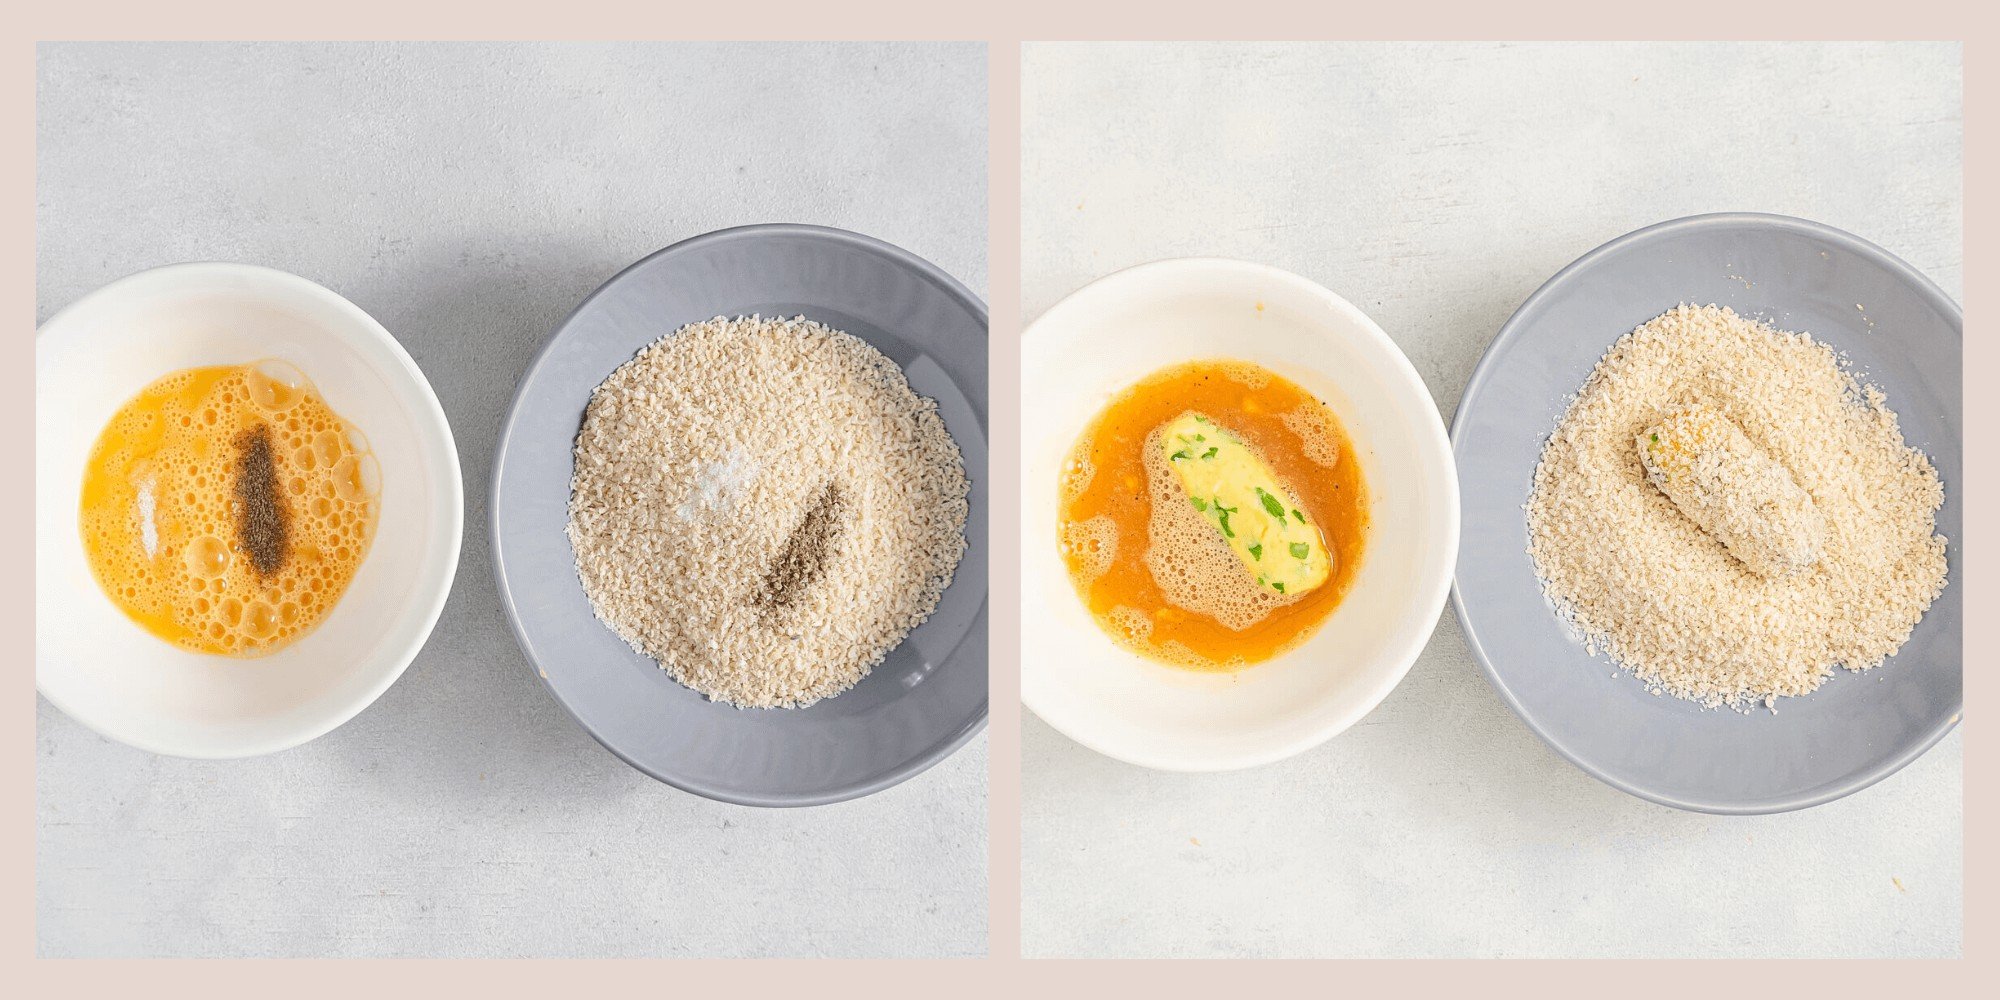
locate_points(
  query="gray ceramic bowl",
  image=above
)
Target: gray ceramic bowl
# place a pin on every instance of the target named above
(1857, 728)
(921, 703)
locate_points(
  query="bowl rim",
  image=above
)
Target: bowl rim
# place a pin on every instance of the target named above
(430, 417)
(1512, 329)
(937, 751)
(1437, 448)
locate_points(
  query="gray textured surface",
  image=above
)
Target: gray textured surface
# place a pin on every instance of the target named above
(468, 197)
(1435, 187)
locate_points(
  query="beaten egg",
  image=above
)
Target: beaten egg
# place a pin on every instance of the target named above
(226, 509)
(1212, 515)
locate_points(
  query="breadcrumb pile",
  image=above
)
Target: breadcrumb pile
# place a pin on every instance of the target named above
(1667, 601)
(765, 507)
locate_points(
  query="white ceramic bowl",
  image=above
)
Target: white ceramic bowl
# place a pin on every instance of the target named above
(1114, 332)
(92, 661)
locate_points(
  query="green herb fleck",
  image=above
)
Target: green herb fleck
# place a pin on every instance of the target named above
(1256, 550)
(1201, 437)
(1656, 439)
(1301, 517)
(1271, 504)
(1278, 585)
(1177, 456)
(1210, 453)
(1199, 503)
(1299, 550)
(1222, 514)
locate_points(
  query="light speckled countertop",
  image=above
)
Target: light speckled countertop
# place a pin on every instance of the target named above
(468, 196)
(1435, 186)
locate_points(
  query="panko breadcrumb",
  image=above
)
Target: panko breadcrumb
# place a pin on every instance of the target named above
(764, 507)
(1642, 582)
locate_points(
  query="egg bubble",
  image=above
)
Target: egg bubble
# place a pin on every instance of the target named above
(274, 386)
(260, 621)
(328, 448)
(207, 557)
(356, 478)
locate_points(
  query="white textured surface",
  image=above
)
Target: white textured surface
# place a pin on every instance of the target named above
(468, 197)
(1436, 186)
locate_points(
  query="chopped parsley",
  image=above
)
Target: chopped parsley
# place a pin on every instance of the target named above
(1199, 503)
(1222, 514)
(1256, 550)
(1278, 585)
(1299, 550)
(1271, 504)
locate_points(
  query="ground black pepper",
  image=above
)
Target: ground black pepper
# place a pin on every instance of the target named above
(807, 551)
(263, 525)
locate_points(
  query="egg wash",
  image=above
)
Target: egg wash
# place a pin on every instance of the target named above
(226, 509)
(1213, 515)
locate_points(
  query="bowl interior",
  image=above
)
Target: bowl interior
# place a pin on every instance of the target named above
(101, 668)
(1901, 333)
(926, 698)
(1114, 332)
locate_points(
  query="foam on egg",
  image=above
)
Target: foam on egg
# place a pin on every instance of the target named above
(161, 506)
